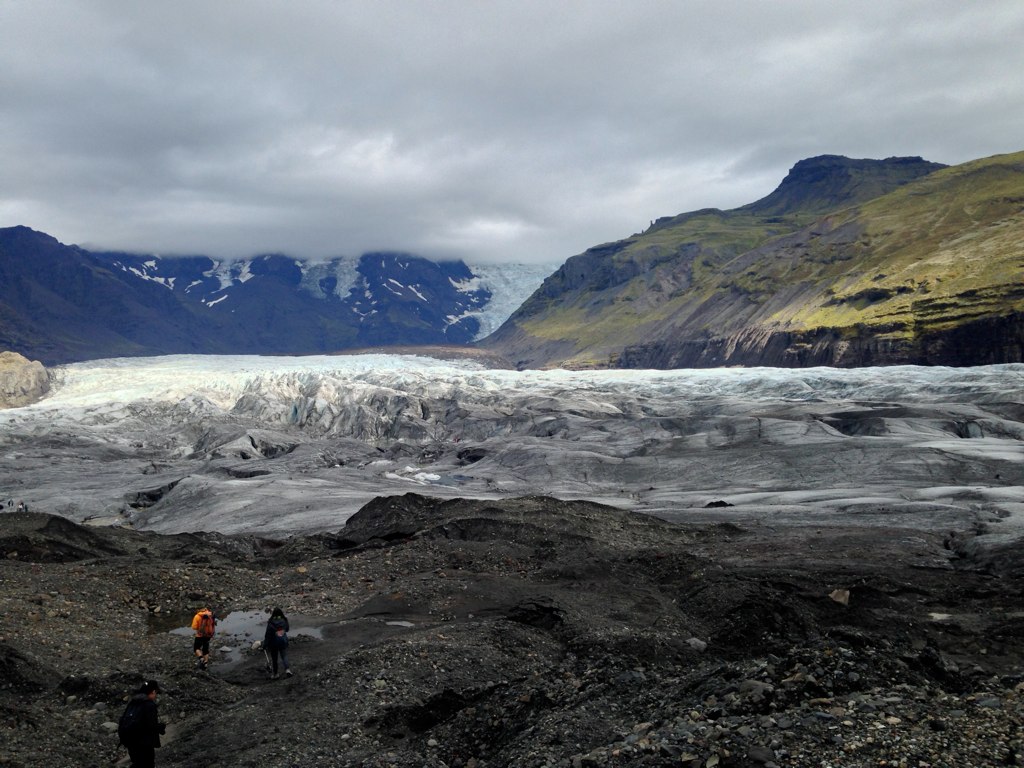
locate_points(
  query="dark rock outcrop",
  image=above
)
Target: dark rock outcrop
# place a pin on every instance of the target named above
(829, 182)
(986, 341)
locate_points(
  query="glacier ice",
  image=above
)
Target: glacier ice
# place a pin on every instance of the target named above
(281, 445)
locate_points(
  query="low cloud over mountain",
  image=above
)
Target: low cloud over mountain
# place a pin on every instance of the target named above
(60, 303)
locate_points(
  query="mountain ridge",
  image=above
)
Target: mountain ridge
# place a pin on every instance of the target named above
(847, 262)
(61, 303)
(778, 283)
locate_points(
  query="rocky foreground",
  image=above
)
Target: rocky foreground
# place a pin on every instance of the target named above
(525, 632)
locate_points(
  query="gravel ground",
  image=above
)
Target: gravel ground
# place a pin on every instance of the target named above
(526, 632)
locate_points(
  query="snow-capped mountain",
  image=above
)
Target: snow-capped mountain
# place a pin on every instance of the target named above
(62, 303)
(477, 298)
(379, 299)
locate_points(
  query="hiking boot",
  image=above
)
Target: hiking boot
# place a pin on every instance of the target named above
(287, 673)
(274, 676)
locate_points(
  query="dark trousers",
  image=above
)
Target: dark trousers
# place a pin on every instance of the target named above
(142, 757)
(274, 653)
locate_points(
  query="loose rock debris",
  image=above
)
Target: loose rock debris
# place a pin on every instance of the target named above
(524, 632)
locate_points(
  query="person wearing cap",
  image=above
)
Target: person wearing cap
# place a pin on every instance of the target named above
(141, 728)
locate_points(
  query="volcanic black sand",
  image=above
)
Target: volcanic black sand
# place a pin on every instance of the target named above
(525, 632)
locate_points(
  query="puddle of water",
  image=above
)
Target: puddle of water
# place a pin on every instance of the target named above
(940, 616)
(158, 623)
(237, 631)
(104, 521)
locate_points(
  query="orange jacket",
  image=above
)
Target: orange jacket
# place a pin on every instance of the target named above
(203, 623)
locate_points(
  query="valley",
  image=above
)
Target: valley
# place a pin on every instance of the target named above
(591, 385)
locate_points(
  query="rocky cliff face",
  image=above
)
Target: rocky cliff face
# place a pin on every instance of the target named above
(22, 381)
(847, 263)
(986, 341)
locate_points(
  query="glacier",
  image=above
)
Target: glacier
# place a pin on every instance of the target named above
(510, 286)
(277, 446)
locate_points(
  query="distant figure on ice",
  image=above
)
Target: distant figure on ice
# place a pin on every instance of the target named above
(140, 728)
(22, 507)
(204, 623)
(276, 641)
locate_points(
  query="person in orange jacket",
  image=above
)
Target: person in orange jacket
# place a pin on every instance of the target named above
(204, 623)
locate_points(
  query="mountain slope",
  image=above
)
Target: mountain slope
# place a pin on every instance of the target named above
(62, 303)
(905, 276)
(274, 303)
(59, 303)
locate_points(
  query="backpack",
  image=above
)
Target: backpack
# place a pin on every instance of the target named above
(203, 624)
(278, 635)
(129, 727)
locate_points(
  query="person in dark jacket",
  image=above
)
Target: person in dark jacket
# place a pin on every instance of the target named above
(276, 641)
(143, 731)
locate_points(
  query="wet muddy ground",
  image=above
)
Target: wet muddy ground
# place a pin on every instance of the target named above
(521, 632)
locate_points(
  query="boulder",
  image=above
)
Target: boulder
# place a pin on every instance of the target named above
(22, 381)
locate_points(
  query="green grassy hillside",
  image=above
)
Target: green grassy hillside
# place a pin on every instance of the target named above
(929, 255)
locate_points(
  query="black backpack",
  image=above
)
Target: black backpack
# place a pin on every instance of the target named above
(129, 727)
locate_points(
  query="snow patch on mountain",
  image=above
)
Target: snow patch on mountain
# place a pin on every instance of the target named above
(147, 271)
(336, 277)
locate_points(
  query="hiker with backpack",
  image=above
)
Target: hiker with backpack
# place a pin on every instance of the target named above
(204, 623)
(275, 640)
(140, 728)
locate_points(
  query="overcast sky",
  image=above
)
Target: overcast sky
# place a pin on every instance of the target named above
(491, 131)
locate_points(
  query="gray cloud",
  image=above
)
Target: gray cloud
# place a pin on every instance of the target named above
(503, 131)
